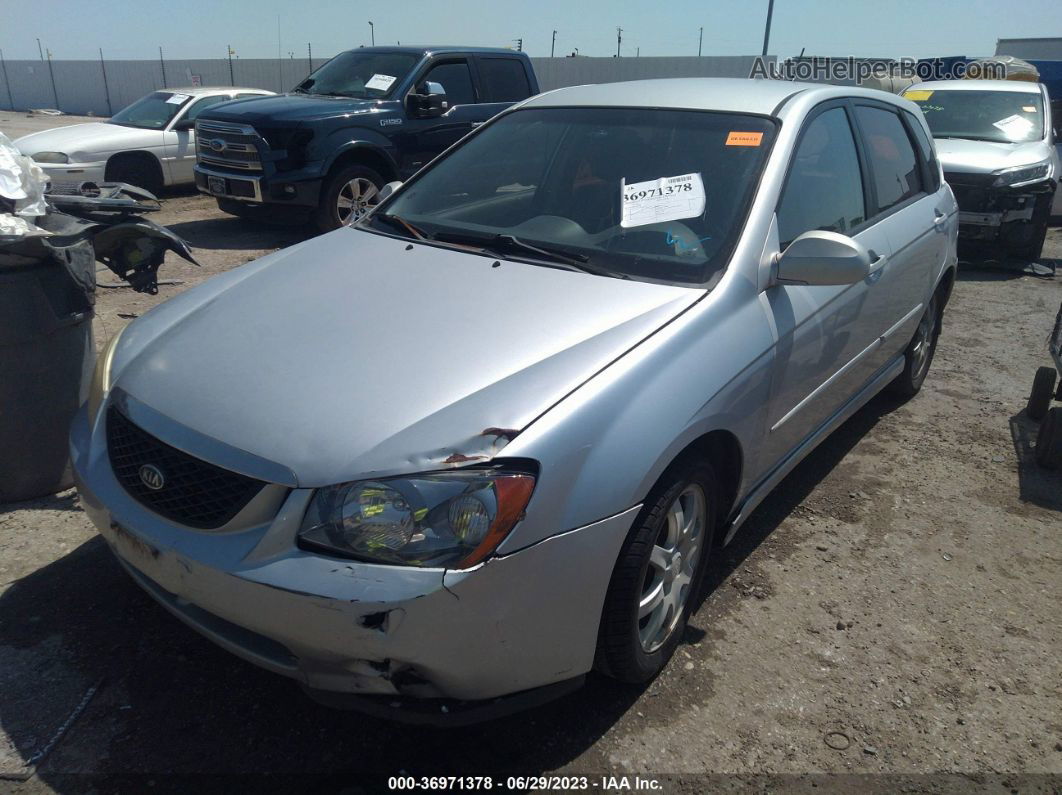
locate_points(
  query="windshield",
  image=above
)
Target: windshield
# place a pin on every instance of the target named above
(630, 192)
(152, 112)
(365, 75)
(1003, 116)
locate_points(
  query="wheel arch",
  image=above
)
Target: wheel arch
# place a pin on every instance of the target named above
(136, 156)
(722, 449)
(365, 154)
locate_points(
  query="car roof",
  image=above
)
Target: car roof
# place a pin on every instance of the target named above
(414, 49)
(734, 94)
(1017, 86)
(196, 91)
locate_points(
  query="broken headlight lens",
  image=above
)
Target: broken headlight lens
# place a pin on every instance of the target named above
(1016, 176)
(50, 157)
(449, 519)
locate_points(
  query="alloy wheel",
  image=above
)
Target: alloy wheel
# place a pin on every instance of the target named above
(923, 342)
(672, 563)
(355, 199)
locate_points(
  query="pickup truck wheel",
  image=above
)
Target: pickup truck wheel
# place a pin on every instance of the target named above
(658, 574)
(349, 193)
(919, 353)
(1043, 389)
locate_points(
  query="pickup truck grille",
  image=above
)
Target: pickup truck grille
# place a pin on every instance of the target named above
(232, 146)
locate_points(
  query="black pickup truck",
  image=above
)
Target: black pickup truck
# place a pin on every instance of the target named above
(365, 118)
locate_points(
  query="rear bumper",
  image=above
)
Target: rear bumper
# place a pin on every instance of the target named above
(514, 623)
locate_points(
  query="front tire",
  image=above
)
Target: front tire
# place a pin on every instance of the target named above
(1049, 440)
(140, 170)
(349, 193)
(658, 574)
(919, 354)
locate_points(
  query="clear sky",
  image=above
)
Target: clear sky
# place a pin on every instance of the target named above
(203, 29)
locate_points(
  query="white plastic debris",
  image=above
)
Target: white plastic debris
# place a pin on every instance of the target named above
(13, 226)
(21, 180)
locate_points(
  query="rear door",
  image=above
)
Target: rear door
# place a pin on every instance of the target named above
(420, 140)
(823, 333)
(910, 206)
(502, 80)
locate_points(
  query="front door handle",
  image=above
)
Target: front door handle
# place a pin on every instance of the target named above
(939, 220)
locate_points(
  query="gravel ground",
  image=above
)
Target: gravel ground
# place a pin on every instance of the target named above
(891, 609)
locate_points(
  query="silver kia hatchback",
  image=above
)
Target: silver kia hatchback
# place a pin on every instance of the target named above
(488, 439)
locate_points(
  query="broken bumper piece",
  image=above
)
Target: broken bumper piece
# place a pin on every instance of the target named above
(515, 623)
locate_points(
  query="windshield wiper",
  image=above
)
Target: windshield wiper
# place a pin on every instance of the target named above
(403, 224)
(511, 243)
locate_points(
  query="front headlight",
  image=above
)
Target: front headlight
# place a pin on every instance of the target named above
(1022, 174)
(101, 377)
(450, 519)
(50, 157)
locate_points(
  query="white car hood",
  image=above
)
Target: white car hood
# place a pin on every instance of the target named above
(984, 157)
(83, 142)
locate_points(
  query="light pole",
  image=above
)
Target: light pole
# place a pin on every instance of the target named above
(372, 33)
(553, 44)
(619, 40)
(767, 28)
(700, 41)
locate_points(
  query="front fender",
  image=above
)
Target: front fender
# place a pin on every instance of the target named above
(339, 142)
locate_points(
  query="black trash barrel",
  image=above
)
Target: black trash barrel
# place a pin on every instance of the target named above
(47, 291)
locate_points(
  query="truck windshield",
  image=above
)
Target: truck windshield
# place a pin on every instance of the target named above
(1003, 116)
(657, 195)
(365, 75)
(152, 112)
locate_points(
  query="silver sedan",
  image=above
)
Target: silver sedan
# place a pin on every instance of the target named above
(489, 439)
(150, 143)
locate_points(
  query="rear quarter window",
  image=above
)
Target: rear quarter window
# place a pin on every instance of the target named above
(504, 79)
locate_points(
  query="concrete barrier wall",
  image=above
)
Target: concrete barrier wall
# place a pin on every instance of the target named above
(80, 88)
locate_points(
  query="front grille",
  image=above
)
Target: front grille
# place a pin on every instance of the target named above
(193, 492)
(228, 145)
(971, 191)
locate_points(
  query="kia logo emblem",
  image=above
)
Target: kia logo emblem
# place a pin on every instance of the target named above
(152, 477)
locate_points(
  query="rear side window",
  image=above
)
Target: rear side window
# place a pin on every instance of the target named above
(893, 165)
(824, 189)
(456, 81)
(929, 155)
(504, 79)
(204, 103)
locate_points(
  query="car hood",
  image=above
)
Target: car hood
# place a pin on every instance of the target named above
(94, 137)
(983, 157)
(356, 353)
(290, 108)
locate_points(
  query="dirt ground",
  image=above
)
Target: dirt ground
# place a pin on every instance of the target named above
(890, 615)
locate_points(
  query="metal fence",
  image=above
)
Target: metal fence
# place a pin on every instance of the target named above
(101, 88)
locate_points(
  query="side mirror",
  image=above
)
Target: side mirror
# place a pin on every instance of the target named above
(184, 124)
(388, 189)
(822, 258)
(429, 103)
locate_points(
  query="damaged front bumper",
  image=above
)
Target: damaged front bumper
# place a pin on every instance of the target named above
(1001, 213)
(525, 620)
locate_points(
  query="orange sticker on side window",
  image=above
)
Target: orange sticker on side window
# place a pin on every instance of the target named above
(744, 139)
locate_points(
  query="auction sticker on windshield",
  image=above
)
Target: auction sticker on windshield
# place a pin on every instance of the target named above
(1014, 126)
(380, 82)
(664, 199)
(177, 99)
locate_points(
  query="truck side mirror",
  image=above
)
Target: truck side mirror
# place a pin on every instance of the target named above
(429, 102)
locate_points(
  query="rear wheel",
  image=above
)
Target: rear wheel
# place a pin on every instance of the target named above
(1043, 389)
(350, 192)
(142, 170)
(1049, 440)
(919, 354)
(657, 575)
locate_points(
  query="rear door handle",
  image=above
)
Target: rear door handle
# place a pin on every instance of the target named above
(939, 220)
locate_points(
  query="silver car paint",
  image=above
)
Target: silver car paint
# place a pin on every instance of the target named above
(603, 382)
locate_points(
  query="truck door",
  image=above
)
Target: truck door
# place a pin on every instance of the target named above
(422, 139)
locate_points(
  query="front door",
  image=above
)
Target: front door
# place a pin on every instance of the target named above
(423, 139)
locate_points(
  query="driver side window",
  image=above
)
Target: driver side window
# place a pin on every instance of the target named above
(455, 79)
(824, 189)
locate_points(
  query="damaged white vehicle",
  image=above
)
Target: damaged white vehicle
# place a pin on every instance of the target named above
(489, 438)
(995, 141)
